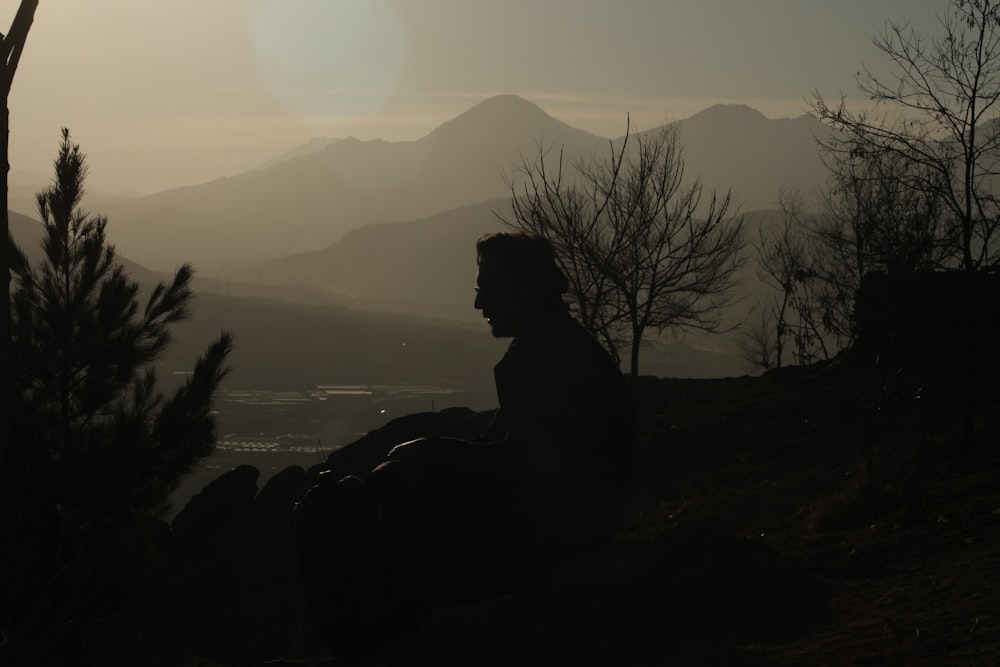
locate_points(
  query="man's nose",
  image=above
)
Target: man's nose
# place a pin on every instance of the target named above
(478, 304)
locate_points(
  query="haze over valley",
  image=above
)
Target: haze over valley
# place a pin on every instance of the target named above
(345, 156)
(347, 258)
(348, 227)
(390, 226)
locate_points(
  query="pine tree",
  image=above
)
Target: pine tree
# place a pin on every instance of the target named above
(97, 448)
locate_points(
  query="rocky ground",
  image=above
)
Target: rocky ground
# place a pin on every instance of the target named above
(804, 517)
(886, 508)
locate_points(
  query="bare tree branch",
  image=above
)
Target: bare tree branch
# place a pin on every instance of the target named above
(641, 249)
(939, 110)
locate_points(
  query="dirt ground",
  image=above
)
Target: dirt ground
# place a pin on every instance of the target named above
(889, 510)
(821, 468)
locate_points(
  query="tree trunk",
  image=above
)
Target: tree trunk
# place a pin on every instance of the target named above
(11, 47)
(634, 357)
(6, 341)
(975, 289)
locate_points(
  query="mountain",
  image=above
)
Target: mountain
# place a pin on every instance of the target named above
(323, 189)
(286, 346)
(426, 268)
(309, 201)
(423, 267)
(314, 145)
(390, 226)
(28, 234)
(735, 146)
(282, 345)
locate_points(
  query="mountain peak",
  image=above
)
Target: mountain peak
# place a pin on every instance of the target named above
(729, 113)
(507, 103)
(498, 111)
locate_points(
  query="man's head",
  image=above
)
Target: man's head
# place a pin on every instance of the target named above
(518, 282)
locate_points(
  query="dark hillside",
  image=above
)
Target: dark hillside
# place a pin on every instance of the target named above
(282, 346)
(418, 267)
(777, 520)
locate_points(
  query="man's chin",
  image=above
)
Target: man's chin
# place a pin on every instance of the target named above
(498, 331)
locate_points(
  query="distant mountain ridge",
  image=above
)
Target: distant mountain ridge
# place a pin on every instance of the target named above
(736, 146)
(309, 201)
(314, 145)
(338, 222)
(422, 267)
(28, 233)
(313, 197)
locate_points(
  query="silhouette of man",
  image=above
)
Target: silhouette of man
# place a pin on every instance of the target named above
(447, 520)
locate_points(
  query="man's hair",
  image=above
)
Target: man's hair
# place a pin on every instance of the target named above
(529, 260)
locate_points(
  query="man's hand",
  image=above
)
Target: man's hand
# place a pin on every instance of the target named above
(412, 449)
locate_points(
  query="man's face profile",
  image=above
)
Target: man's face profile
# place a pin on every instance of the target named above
(497, 298)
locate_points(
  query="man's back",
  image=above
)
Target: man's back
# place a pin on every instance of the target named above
(566, 416)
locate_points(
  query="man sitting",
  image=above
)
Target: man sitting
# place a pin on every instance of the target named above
(446, 520)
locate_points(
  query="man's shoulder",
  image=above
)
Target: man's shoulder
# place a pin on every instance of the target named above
(562, 341)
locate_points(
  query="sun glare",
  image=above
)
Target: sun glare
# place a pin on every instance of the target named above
(314, 55)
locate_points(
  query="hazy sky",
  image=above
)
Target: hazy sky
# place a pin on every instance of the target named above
(162, 93)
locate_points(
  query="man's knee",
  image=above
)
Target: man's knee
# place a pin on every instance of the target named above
(435, 450)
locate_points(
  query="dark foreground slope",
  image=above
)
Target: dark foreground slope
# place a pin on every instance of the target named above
(791, 519)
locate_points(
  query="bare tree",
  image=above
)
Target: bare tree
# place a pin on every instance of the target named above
(557, 206)
(937, 110)
(944, 93)
(757, 339)
(790, 317)
(875, 217)
(641, 247)
(872, 219)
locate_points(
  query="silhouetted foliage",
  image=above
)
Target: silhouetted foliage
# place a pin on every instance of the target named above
(791, 319)
(640, 247)
(942, 148)
(944, 137)
(97, 449)
(872, 219)
(875, 218)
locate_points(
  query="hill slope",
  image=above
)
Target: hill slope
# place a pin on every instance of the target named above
(313, 197)
(307, 202)
(760, 533)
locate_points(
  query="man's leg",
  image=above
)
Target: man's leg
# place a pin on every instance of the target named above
(450, 516)
(334, 524)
